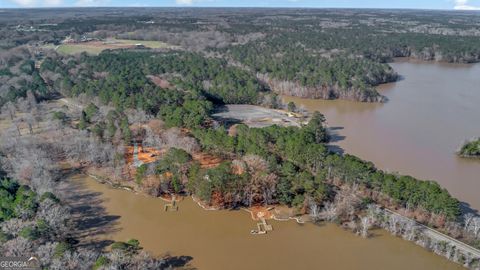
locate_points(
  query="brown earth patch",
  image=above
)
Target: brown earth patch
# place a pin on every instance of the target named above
(207, 161)
(258, 212)
(160, 82)
(145, 154)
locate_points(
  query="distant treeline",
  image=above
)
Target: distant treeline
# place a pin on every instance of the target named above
(304, 52)
(336, 76)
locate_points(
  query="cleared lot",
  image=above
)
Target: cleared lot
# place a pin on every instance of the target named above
(255, 116)
(96, 47)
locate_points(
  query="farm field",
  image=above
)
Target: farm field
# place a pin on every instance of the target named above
(96, 47)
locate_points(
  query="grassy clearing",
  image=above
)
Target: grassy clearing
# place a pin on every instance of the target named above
(79, 48)
(147, 43)
(96, 47)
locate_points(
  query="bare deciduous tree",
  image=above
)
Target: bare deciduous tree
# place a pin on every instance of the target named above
(81, 259)
(394, 221)
(365, 226)
(173, 137)
(13, 226)
(475, 226)
(314, 210)
(17, 247)
(329, 212)
(255, 163)
(9, 109)
(17, 124)
(56, 216)
(30, 120)
(45, 253)
(467, 219)
(151, 139)
(410, 230)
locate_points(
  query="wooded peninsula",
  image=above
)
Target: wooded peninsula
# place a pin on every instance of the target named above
(95, 113)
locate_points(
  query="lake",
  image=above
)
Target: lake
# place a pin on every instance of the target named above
(222, 240)
(430, 112)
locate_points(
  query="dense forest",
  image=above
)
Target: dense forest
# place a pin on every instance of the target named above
(18, 76)
(312, 76)
(304, 168)
(128, 80)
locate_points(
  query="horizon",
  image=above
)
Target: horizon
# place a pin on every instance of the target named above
(445, 5)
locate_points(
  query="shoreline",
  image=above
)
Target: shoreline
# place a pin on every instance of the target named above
(195, 199)
(434, 235)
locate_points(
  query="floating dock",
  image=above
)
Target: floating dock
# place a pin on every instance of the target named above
(262, 227)
(171, 207)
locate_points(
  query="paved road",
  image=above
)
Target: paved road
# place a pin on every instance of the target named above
(434, 234)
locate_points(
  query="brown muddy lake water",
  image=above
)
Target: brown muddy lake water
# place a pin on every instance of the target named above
(430, 112)
(222, 240)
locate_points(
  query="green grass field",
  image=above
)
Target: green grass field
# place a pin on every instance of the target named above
(96, 47)
(79, 48)
(147, 43)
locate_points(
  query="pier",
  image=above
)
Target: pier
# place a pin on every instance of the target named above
(171, 207)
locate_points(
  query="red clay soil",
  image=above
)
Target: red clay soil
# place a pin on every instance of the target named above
(168, 175)
(258, 212)
(129, 154)
(237, 170)
(207, 161)
(169, 197)
(145, 154)
(149, 154)
(217, 202)
(185, 131)
(217, 199)
(162, 83)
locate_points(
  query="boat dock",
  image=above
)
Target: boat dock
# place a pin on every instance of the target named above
(262, 227)
(171, 207)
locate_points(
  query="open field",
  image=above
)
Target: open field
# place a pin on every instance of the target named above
(255, 116)
(96, 47)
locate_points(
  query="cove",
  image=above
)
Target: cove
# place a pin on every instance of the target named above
(222, 240)
(430, 112)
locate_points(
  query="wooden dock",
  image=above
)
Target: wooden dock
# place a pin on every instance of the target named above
(171, 207)
(262, 227)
